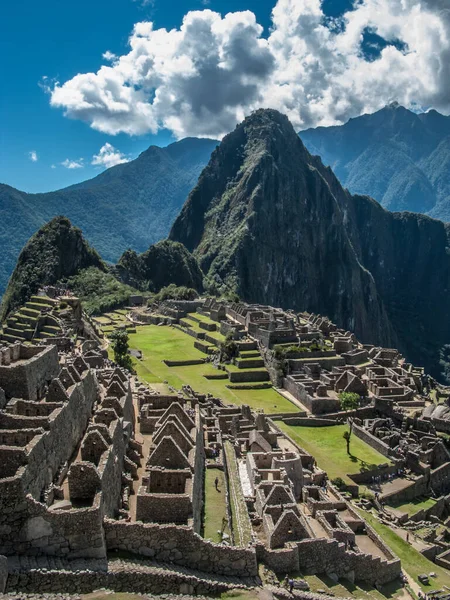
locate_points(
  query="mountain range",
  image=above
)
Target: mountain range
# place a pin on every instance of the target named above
(398, 157)
(269, 221)
(131, 205)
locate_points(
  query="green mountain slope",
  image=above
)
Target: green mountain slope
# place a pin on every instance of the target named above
(130, 205)
(57, 251)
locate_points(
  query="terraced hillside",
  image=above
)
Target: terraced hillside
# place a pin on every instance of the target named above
(39, 319)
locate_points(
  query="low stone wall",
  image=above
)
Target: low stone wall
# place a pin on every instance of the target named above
(134, 577)
(280, 561)
(372, 441)
(435, 510)
(184, 363)
(308, 421)
(366, 476)
(329, 556)
(181, 546)
(243, 376)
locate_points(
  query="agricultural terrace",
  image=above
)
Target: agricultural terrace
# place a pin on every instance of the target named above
(158, 343)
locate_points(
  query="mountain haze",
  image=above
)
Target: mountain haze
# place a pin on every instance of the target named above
(129, 205)
(398, 157)
(269, 221)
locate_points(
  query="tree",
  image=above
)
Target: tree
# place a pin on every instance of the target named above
(119, 343)
(349, 400)
(347, 437)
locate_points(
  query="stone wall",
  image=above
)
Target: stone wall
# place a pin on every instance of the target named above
(3, 573)
(180, 545)
(372, 441)
(53, 449)
(329, 556)
(28, 377)
(84, 577)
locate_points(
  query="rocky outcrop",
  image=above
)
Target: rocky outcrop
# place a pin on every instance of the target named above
(269, 221)
(57, 251)
(163, 264)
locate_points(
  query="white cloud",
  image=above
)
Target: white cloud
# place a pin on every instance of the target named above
(204, 77)
(33, 156)
(73, 164)
(110, 56)
(109, 156)
(53, 167)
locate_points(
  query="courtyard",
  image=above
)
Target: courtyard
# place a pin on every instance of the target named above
(159, 343)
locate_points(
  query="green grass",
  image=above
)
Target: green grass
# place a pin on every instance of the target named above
(412, 561)
(159, 343)
(413, 507)
(328, 447)
(215, 505)
(203, 318)
(345, 589)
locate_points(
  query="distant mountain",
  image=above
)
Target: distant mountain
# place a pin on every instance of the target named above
(131, 205)
(400, 158)
(269, 221)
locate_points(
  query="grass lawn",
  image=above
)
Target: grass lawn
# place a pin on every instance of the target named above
(413, 507)
(158, 343)
(328, 447)
(412, 561)
(215, 505)
(345, 589)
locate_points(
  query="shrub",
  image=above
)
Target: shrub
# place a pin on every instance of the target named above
(349, 400)
(339, 483)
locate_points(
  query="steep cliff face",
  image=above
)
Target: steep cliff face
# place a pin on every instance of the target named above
(268, 220)
(264, 222)
(57, 251)
(162, 264)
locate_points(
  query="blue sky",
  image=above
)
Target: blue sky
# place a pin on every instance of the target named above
(60, 39)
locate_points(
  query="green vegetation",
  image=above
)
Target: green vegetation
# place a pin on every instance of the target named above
(215, 506)
(349, 400)
(413, 561)
(345, 589)
(413, 507)
(328, 448)
(119, 344)
(55, 252)
(100, 292)
(160, 343)
(172, 292)
(167, 263)
(135, 203)
(241, 526)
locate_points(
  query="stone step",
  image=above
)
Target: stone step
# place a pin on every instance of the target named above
(17, 333)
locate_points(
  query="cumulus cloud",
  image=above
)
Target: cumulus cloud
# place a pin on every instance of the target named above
(33, 156)
(109, 55)
(109, 156)
(204, 77)
(73, 164)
